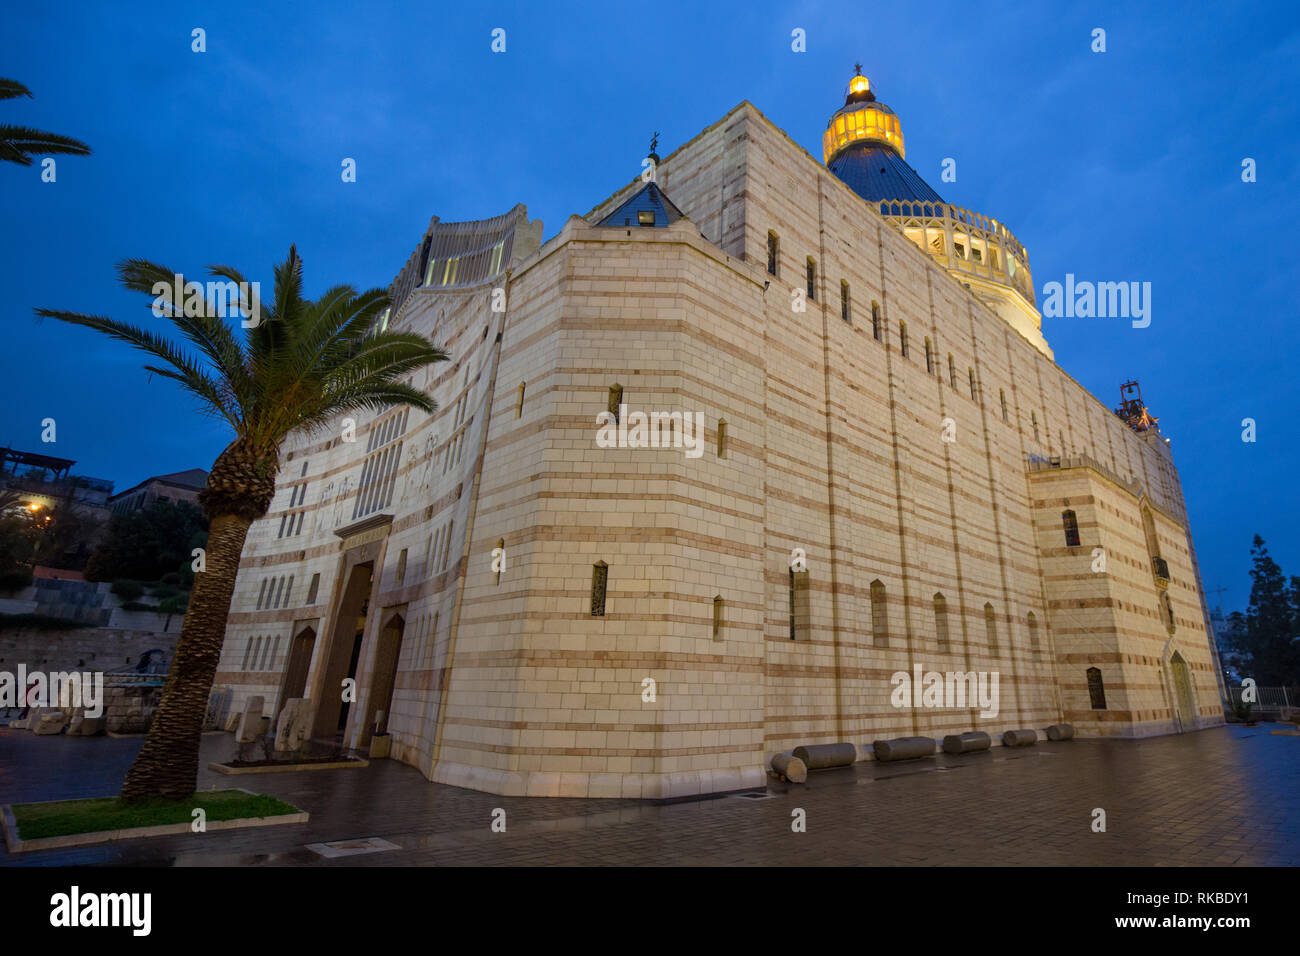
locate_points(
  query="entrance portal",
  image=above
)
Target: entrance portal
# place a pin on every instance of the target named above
(344, 649)
(387, 655)
(295, 672)
(1183, 690)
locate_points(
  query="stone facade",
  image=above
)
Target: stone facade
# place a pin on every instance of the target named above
(931, 535)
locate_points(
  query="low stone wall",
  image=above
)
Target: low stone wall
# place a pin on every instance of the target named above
(84, 648)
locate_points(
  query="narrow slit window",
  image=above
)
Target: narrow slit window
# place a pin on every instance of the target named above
(902, 338)
(599, 581)
(1096, 688)
(519, 407)
(879, 615)
(615, 400)
(499, 559)
(1033, 420)
(722, 437)
(929, 357)
(773, 253)
(401, 567)
(812, 279)
(991, 628)
(1002, 396)
(313, 589)
(717, 618)
(875, 321)
(952, 371)
(844, 301)
(973, 397)
(1071, 524)
(1033, 634)
(941, 621)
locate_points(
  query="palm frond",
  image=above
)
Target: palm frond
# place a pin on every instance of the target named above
(28, 142)
(12, 88)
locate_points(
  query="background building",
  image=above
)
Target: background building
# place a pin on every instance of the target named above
(177, 486)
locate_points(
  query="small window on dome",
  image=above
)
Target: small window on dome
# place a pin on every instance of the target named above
(645, 217)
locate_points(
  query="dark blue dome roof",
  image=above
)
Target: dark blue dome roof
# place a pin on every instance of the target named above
(877, 172)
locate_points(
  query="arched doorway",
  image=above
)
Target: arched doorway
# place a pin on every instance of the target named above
(1183, 693)
(387, 654)
(295, 673)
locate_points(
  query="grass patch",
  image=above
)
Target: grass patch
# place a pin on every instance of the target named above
(37, 820)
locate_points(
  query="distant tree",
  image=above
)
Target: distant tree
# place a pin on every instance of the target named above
(18, 144)
(1262, 642)
(146, 544)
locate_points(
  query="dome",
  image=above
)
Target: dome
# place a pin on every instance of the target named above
(863, 147)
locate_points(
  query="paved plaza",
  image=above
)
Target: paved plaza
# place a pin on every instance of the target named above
(1225, 796)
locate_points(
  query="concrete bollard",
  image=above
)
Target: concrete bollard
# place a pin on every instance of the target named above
(904, 748)
(826, 756)
(1060, 732)
(790, 767)
(1019, 738)
(967, 743)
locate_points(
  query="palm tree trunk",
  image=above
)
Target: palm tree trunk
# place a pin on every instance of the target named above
(168, 764)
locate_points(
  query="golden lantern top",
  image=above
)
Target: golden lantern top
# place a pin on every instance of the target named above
(861, 119)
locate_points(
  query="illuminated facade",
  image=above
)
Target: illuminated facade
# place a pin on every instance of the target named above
(896, 475)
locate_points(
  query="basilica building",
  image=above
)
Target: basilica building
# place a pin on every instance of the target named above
(711, 467)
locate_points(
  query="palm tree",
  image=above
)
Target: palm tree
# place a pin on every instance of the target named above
(18, 144)
(305, 363)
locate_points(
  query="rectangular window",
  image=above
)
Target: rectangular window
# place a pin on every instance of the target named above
(929, 357)
(717, 618)
(519, 407)
(952, 371)
(875, 321)
(262, 593)
(902, 338)
(599, 580)
(401, 567)
(773, 253)
(313, 588)
(1002, 395)
(615, 400)
(1033, 419)
(722, 437)
(446, 549)
(288, 591)
(812, 279)
(844, 301)
(972, 385)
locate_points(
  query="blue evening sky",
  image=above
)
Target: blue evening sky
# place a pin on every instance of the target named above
(1123, 165)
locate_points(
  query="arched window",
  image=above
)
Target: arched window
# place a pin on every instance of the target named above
(991, 628)
(717, 617)
(941, 621)
(875, 321)
(615, 400)
(599, 579)
(1033, 634)
(879, 615)
(1096, 689)
(1071, 524)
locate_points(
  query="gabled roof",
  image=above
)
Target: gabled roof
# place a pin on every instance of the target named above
(877, 172)
(649, 198)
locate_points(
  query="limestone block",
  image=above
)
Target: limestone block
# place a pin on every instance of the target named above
(826, 756)
(790, 767)
(294, 725)
(971, 742)
(52, 722)
(251, 723)
(904, 748)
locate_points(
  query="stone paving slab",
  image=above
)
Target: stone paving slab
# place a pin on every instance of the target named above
(1224, 796)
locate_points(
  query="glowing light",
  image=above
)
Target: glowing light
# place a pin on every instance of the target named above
(859, 84)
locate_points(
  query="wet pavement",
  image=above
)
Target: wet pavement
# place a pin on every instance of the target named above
(1225, 796)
